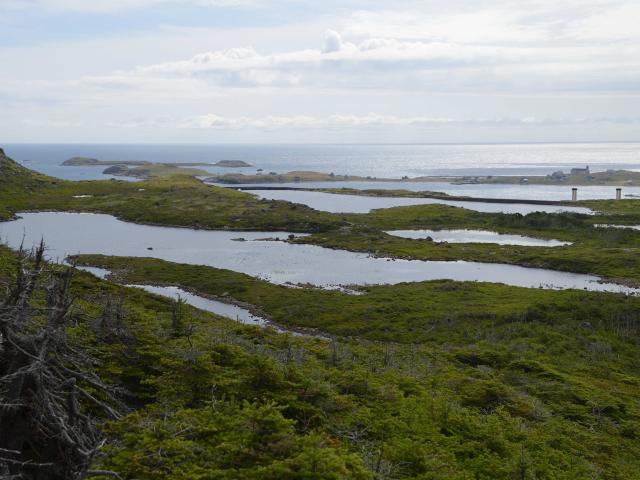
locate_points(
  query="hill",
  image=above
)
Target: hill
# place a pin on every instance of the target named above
(15, 176)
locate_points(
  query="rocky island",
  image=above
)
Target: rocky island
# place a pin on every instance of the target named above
(86, 161)
(153, 170)
(289, 177)
(232, 164)
(146, 169)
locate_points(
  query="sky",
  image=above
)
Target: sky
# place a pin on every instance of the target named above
(350, 71)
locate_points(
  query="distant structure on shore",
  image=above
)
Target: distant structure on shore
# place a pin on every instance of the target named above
(580, 171)
(561, 176)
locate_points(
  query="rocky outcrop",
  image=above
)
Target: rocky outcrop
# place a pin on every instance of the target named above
(87, 161)
(119, 170)
(232, 164)
(77, 161)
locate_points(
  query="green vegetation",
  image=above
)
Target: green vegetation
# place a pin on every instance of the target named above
(232, 164)
(415, 311)
(185, 201)
(84, 161)
(427, 380)
(153, 171)
(608, 252)
(383, 192)
(546, 392)
(609, 177)
(146, 170)
(178, 200)
(289, 177)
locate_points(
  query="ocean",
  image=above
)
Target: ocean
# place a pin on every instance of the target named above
(375, 160)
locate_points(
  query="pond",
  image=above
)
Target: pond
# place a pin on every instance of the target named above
(227, 310)
(102, 273)
(607, 225)
(529, 192)
(476, 236)
(341, 203)
(274, 261)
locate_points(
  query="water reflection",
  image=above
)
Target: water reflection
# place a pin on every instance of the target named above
(476, 236)
(275, 261)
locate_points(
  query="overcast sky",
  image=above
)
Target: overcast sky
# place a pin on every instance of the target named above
(232, 71)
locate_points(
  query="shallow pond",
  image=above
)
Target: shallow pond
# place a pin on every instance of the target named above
(227, 310)
(606, 225)
(98, 272)
(275, 261)
(528, 192)
(340, 203)
(476, 236)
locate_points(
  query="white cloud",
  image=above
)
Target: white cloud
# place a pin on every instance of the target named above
(478, 26)
(332, 42)
(391, 63)
(619, 23)
(213, 121)
(423, 65)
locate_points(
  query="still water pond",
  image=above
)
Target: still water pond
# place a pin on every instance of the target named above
(275, 261)
(529, 192)
(476, 236)
(606, 225)
(340, 203)
(227, 310)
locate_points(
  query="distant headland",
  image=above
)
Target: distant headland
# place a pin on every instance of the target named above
(582, 176)
(144, 169)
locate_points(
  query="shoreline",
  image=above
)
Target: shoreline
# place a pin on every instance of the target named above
(118, 277)
(457, 198)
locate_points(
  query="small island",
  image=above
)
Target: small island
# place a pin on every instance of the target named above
(153, 170)
(87, 161)
(145, 169)
(232, 164)
(296, 176)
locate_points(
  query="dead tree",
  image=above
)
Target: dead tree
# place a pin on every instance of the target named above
(50, 401)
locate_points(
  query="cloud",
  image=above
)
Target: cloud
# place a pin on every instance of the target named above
(391, 63)
(488, 26)
(423, 64)
(538, 46)
(332, 42)
(213, 121)
(616, 24)
(50, 123)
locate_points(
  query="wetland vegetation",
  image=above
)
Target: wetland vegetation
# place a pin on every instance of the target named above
(425, 380)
